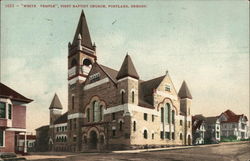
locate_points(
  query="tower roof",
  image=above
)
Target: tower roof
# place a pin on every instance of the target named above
(82, 32)
(127, 69)
(184, 91)
(55, 103)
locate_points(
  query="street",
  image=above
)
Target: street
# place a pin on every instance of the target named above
(218, 152)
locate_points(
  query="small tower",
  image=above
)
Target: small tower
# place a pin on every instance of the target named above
(185, 99)
(185, 107)
(55, 109)
(128, 82)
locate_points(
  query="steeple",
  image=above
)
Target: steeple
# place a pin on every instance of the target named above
(55, 103)
(184, 91)
(127, 69)
(83, 30)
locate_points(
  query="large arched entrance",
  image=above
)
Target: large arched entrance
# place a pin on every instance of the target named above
(93, 140)
(189, 140)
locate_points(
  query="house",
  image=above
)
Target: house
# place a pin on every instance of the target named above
(212, 134)
(30, 142)
(234, 125)
(198, 129)
(12, 118)
(116, 109)
(42, 139)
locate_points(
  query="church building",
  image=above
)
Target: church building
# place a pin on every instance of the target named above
(116, 109)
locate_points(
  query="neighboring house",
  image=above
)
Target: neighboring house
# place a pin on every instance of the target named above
(234, 125)
(212, 129)
(115, 109)
(198, 129)
(12, 118)
(30, 142)
(42, 139)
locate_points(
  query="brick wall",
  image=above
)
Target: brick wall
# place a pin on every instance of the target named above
(19, 117)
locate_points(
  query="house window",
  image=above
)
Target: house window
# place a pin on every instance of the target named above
(181, 122)
(122, 97)
(133, 97)
(173, 136)
(180, 136)
(162, 114)
(120, 125)
(153, 135)
(113, 132)
(134, 126)
(167, 135)
(145, 116)
(167, 88)
(88, 115)
(153, 118)
(173, 117)
(145, 134)
(162, 135)
(2, 110)
(1, 138)
(9, 111)
(217, 134)
(113, 116)
(73, 102)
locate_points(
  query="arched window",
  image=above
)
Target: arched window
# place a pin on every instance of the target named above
(120, 125)
(162, 114)
(173, 118)
(134, 126)
(133, 96)
(167, 113)
(145, 134)
(180, 136)
(73, 63)
(101, 113)
(87, 62)
(122, 97)
(96, 111)
(88, 115)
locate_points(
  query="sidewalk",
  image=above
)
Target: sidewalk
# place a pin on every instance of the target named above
(177, 147)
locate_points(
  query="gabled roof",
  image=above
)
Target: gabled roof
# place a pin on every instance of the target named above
(55, 103)
(184, 91)
(83, 30)
(211, 120)
(197, 121)
(146, 88)
(232, 117)
(110, 72)
(42, 127)
(127, 69)
(7, 92)
(62, 119)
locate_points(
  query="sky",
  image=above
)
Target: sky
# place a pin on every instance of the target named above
(205, 43)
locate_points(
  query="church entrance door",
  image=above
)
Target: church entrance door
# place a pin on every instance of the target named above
(93, 140)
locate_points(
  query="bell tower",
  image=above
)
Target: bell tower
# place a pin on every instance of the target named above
(81, 56)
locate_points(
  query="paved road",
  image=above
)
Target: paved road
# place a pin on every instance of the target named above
(220, 152)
